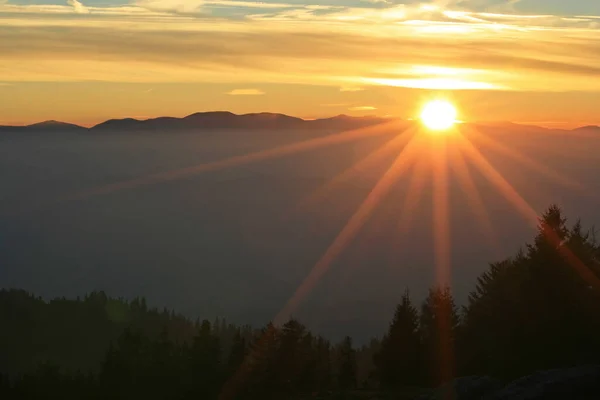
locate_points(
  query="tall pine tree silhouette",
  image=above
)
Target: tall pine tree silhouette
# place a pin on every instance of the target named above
(439, 322)
(347, 365)
(399, 361)
(538, 309)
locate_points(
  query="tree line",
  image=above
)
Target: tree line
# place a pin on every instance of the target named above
(539, 309)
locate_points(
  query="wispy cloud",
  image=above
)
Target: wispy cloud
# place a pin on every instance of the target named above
(181, 6)
(349, 48)
(199, 6)
(78, 7)
(351, 89)
(377, 1)
(435, 84)
(251, 4)
(245, 92)
(362, 108)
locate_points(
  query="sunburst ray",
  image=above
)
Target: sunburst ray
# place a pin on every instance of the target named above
(524, 160)
(367, 162)
(442, 251)
(352, 227)
(496, 178)
(441, 215)
(413, 196)
(474, 199)
(234, 161)
(511, 194)
(161, 177)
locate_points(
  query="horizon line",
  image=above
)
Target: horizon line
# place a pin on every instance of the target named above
(563, 125)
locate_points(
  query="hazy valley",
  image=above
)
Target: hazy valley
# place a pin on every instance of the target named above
(236, 242)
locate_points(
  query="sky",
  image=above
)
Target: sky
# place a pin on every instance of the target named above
(84, 61)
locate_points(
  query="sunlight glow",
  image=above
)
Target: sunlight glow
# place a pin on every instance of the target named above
(438, 115)
(447, 155)
(441, 213)
(433, 83)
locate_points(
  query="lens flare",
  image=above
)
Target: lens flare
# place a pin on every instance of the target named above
(438, 115)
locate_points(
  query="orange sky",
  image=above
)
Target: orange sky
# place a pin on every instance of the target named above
(86, 63)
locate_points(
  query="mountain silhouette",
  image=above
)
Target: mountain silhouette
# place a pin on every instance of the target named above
(225, 120)
(506, 126)
(593, 128)
(201, 121)
(46, 126)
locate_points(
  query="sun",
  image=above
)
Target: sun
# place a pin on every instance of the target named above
(438, 115)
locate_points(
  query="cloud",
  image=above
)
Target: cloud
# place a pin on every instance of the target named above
(351, 89)
(178, 6)
(334, 105)
(162, 52)
(377, 1)
(252, 4)
(198, 6)
(245, 92)
(346, 48)
(435, 83)
(362, 108)
(78, 7)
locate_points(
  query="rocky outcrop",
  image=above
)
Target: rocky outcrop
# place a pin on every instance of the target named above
(577, 383)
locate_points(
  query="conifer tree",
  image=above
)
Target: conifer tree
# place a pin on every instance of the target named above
(347, 365)
(439, 322)
(399, 361)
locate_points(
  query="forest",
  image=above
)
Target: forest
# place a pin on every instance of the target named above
(537, 310)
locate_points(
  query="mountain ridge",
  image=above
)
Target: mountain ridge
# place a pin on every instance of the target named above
(228, 120)
(587, 128)
(44, 126)
(215, 120)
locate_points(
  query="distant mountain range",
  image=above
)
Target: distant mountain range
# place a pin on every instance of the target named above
(204, 121)
(47, 126)
(588, 128)
(216, 120)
